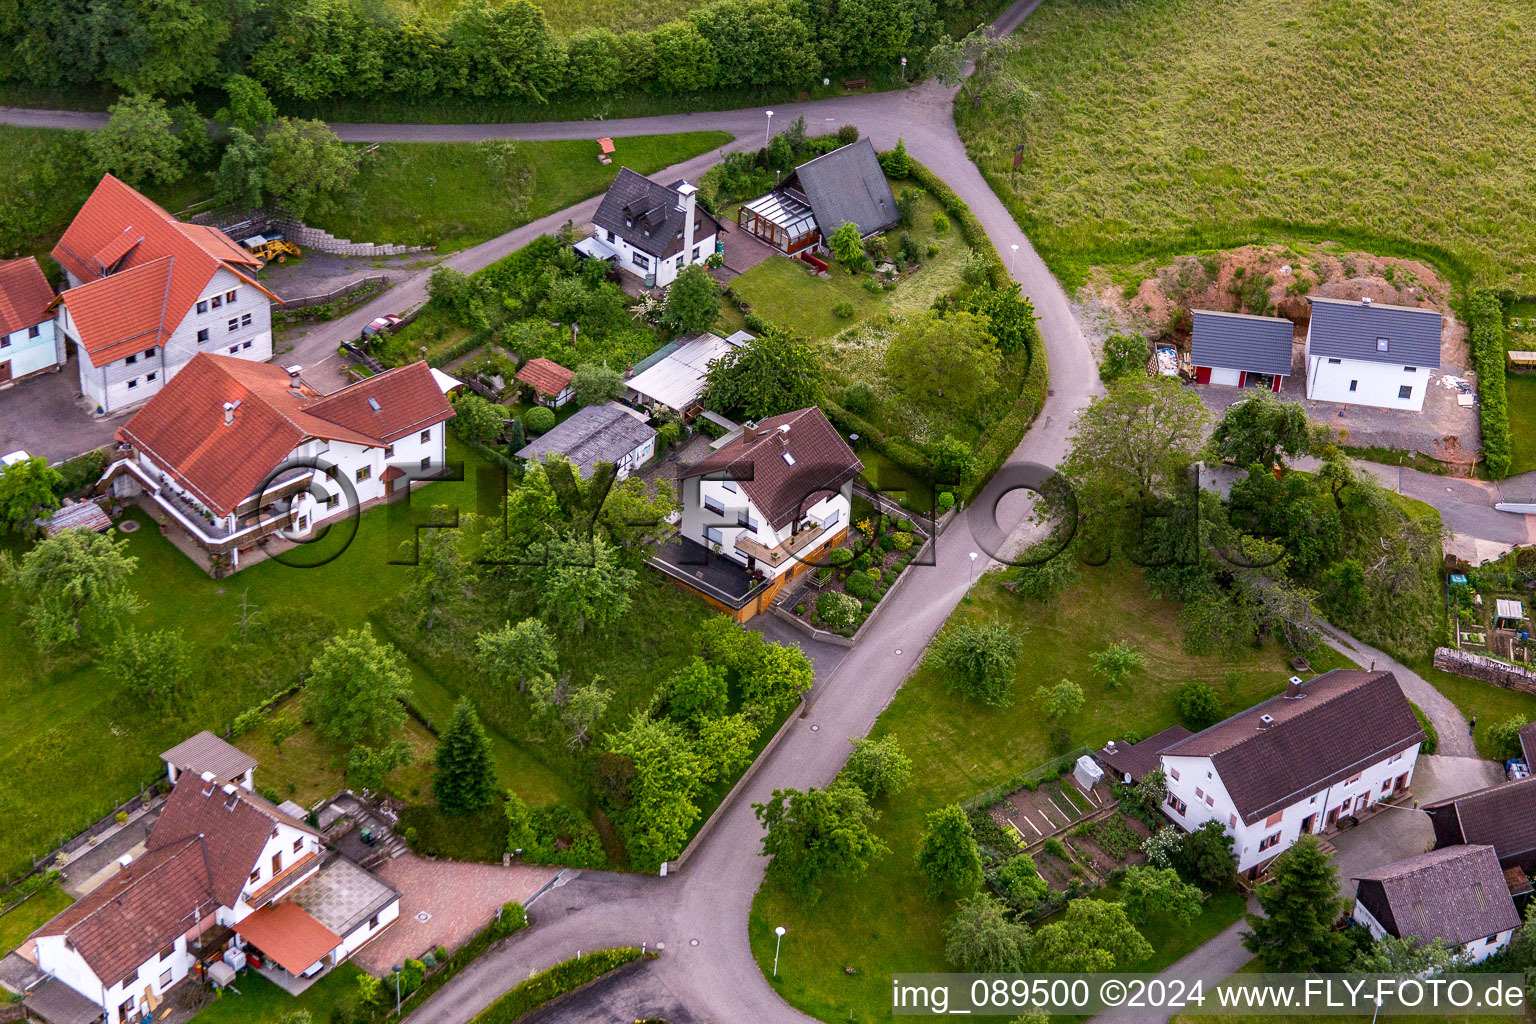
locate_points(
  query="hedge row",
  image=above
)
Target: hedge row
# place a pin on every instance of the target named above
(1486, 318)
(553, 983)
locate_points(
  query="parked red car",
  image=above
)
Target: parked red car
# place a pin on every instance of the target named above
(386, 324)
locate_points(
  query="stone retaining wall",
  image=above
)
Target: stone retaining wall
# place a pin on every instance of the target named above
(257, 222)
(1489, 670)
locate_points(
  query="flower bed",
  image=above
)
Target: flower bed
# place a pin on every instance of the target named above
(838, 597)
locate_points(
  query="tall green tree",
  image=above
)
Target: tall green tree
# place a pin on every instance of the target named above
(514, 654)
(1301, 905)
(248, 107)
(979, 938)
(241, 177)
(1204, 857)
(1061, 701)
(1091, 935)
(465, 779)
(1262, 429)
(944, 361)
(581, 583)
(153, 667)
(309, 171)
(163, 47)
(878, 766)
(668, 773)
(355, 689)
(74, 587)
(693, 302)
(443, 572)
(1135, 440)
(777, 677)
(978, 661)
(476, 419)
(27, 493)
(369, 767)
(1116, 662)
(578, 707)
(596, 383)
(978, 64)
(138, 143)
(696, 693)
(948, 855)
(848, 247)
(772, 374)
(814, 833)
(1158, 891)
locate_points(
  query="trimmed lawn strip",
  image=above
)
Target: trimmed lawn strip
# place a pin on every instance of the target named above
(261, 1002)
(1491, 704)
(31, 914)
(959, 748)
(1150, 136)
(1521, 391)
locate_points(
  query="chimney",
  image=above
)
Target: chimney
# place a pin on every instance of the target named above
(749, 431)
(123, 862)
(687, 202)
(1109, 748)
(234, 799)
(208, 780)
(1365, 300)
(1265, 721)
(229, 412)
(1293, 689)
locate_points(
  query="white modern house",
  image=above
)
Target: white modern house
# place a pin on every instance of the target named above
(1456, 893)
(1295, 763)
(28, 342)
(649, 229)
(226, 880)
(1239, 350)
(146, 293)
(1361, 352)
(234, 451)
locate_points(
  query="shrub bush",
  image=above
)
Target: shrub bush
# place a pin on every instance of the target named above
(843, 309)
(838, 610)
(840, 556)
(1486, 320)
(946, 501)
(557, 981)
(940, 223)
(1198, 704)
(901, 540)
(858, 398)
(539, 419)
(847, 135)
(859, 585)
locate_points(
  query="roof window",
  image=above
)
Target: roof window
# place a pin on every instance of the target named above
(373, 403)
(1381, 344)
(788, 458)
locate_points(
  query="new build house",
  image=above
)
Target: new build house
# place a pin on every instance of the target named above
(821, 195)
(234, 451)
(1456, 893)
(759, 509)
(1239, 350)
(649, 229)
(226, 880)
(146, 293)
(1361, 352)
(1295, 763)
(28, 342)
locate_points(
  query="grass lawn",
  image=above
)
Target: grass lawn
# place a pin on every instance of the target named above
(444, 193)
(439, 193)
(1491, 704)
(30, 914)
(783, 291)
(1177, 125)
(1521, 389)
(1172, 939)
(881, 923)
(306, 770)
(261, 1002)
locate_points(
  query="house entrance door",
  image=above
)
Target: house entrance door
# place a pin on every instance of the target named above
(1307, 823)
(5, 371)
(1362, 802)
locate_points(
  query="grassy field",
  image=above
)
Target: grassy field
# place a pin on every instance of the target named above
(1521, 390)
(442, 193)
(1176, 125)
(1491, 704)
(446, 193)
(30, 914)
(305, 770)
(261, 1002)
(881, 922)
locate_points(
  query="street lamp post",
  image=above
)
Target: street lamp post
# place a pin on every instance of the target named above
(1013, 258)
(779, 932)
(768, 132)
(903, 69)
(971, 578)
(397, 993)
(1377, 1013)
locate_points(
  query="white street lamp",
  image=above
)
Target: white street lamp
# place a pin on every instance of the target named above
(397, 993)
(768, 132)
(779, 932)
(972, 578)
(1013, 258)
(1378, 1010)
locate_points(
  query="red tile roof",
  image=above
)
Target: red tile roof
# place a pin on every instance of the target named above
(118, 230)
(24, 294)
(288, 934)
(119, 315)
(545, 376)
(182, 427)
(819, 461)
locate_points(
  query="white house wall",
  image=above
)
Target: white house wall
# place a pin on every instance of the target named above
(1477, 950)
(354, 941)
(666, 270)
(697, 520)
(66, 964)
(1329, 379)
(32, 355)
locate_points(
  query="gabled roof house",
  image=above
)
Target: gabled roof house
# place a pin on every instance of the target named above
(760, 508)
(28, 342)
(225, 877)
(234, 451)
(551, 382)
(147, 292)
(597, 433)
(844, 186)
(1502, 816)
(1295, 763)
(1456, 893)
(1239, 350)
(649, 229)
(1361, 352)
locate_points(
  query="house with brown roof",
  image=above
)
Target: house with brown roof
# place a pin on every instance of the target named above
(1502, 816)
(760, 509)
(28, 342)
(234, 451)
(1296, 763)
(145, 293)
(1456, 893)
(551, 382)
(205, 752)
(226, 880)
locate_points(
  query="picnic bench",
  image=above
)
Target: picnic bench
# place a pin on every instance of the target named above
(855, 83)
(605, 151)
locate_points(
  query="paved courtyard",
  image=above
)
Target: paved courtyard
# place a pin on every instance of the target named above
(459, 899)
(43, 415)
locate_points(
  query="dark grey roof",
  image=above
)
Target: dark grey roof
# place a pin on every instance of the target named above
(844, 185)
(597, 433)
(57, 1003)
(1503, 816)
(1353, 329)
(1527, 735)
(205, 752)
(644, 213)
(1236, 341)
(1457, 893)
(1139, 759)
(1333, 726)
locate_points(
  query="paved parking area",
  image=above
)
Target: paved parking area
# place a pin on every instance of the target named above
(43, 415)
(458, 898)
